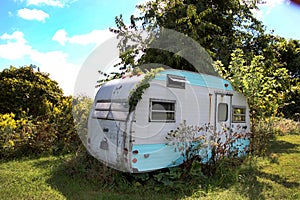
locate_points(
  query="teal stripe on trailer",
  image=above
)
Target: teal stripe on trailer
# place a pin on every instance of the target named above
(241, 146)
(197, 79)
(149, 157)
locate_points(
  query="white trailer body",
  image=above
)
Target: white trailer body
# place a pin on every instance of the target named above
(136, 141)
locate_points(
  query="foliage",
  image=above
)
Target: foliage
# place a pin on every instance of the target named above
(44, 122)
(284, 54)
(262, 134)
(19, 137)
(291, 107)
(68, 177)
(27, 90)
(61, 119)
(135, 95)
(57, 134)
(81, 108)
(284, 126)
(265, 89)
(204, 144)
(219, 26)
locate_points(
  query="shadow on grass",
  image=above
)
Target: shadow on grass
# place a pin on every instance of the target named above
(87, 178)
(278, 179)
(251, 184)
(251, 187)
(280, 146)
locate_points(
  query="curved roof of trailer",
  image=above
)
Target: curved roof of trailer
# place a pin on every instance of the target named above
(120, 88)
(197, 79)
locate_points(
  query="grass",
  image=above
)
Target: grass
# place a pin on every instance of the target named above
(274, 177)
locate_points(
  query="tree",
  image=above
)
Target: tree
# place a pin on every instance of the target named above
(265, 89)
(219, 26)
(288, 53)
(284, 54)
(23, 89)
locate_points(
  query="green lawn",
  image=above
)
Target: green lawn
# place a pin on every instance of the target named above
(276, 177)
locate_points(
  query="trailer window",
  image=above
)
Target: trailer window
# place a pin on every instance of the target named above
(162, 111)
(176, 81)
(111, 110)
(222, 112)
(239, 114)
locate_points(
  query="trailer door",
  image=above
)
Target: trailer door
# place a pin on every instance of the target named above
(223, 107)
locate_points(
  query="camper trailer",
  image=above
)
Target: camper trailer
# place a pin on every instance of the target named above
(135, 141)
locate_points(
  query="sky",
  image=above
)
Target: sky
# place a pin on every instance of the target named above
(59, 35)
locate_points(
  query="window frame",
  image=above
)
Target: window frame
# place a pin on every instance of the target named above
(109, 115)
(233, 114)
(173, 111)
(171, 79)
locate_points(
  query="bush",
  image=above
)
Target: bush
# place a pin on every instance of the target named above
(55, 133)
(262, 134)
(284, 126)
(266, 129)
(11, 136)
(27, 90)
(35, 116)
(81, 110)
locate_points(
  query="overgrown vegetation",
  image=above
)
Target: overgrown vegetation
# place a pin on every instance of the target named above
(83, 177)
(264, 67)
(37, 119)
(136, 94)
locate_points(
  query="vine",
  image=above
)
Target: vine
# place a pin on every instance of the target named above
(135, 95)
(204, 144)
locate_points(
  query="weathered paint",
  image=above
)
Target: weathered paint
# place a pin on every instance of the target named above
(164, 155)
(196, 104)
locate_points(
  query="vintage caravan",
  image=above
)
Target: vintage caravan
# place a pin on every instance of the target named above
(135, 141)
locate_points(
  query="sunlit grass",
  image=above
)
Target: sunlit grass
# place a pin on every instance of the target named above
(274, 177)
(27, 179)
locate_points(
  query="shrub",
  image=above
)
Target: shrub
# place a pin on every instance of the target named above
(284, 126)
(81, 109)
(264, 133)
(204, 144)
(27, 90)
(55, 133)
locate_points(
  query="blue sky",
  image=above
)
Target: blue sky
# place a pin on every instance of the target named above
(58, 35)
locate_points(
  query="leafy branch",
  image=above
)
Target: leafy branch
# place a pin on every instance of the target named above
(135, 95)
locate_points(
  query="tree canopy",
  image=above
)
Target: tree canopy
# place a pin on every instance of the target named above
(219, 26)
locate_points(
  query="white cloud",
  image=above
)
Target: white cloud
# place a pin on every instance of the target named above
(266, 6)
(55, 63)
(61, 37)
(53, 3)
(33, 14)
(15, 46)
(93, 37)
(270, 4)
